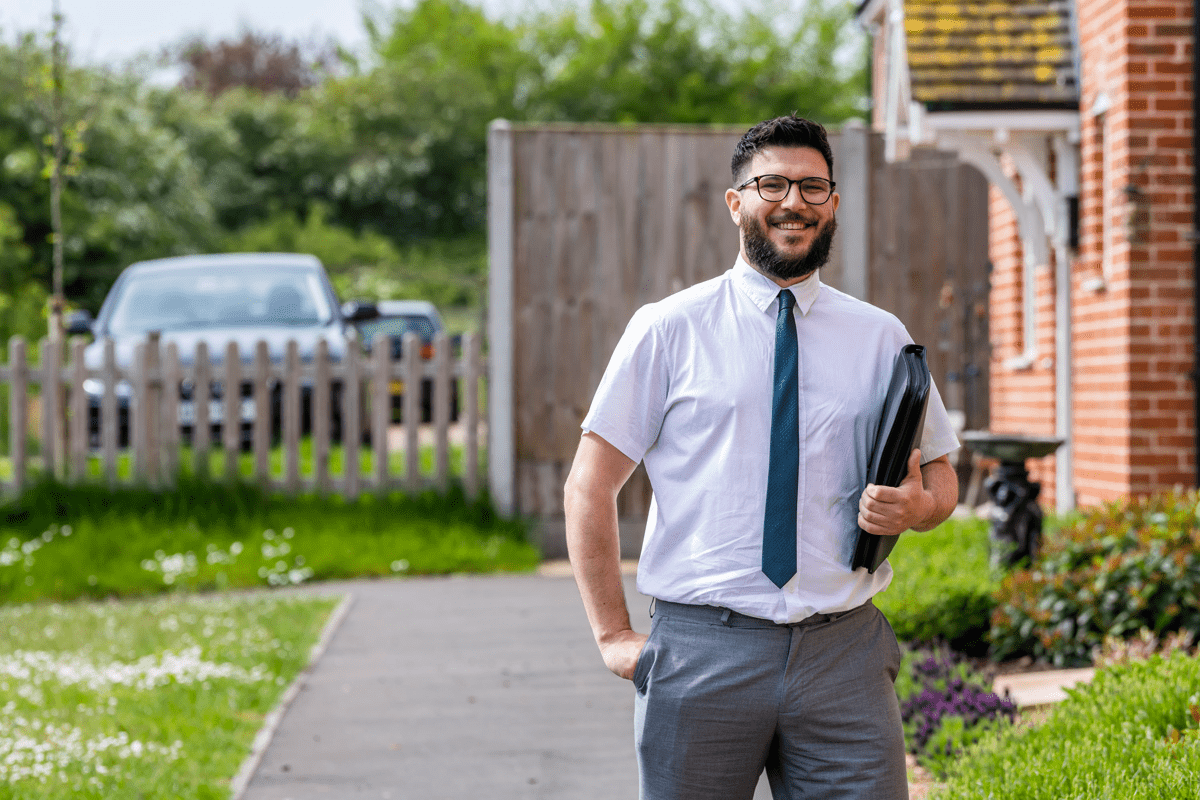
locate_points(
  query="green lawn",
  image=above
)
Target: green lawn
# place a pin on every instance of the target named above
(65, 542)
(144, 700)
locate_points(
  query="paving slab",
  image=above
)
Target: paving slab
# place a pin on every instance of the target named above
(462, 687)
(1041, 688)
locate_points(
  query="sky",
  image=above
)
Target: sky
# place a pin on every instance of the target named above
(111, 31)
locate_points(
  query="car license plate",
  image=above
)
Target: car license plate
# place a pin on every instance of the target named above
(216, 411)
(396, 387)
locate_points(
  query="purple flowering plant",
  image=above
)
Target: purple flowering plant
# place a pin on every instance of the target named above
(946, 705)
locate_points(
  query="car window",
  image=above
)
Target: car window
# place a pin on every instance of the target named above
(217, 297)
(398, 326)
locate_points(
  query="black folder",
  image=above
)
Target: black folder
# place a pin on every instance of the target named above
(899, 432)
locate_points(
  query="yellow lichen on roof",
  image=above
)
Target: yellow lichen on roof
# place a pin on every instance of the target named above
(977, 52)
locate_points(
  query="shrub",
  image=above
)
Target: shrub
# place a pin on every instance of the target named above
(946, 706)
(1133, 733)
(1118, 569)
(942, 586)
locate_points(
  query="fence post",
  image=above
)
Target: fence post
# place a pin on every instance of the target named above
(351, 421)
(18, 409)
(441, 409)
(413, 377)
(321, 416)
(110, 420)
(231, 425)
(291, 416)
(381, 407)
(262, 413)
(471, 411)
(78, 444)
(137, 413)
(501, 255)
(171, 373)
(201, 424)
(51, 408)
(153, 408)
(854, 182)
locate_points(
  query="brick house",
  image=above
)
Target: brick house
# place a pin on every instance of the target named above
(1080, 115)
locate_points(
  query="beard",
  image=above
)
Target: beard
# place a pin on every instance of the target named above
(765, 256)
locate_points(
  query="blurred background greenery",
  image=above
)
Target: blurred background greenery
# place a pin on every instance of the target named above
(373, 161)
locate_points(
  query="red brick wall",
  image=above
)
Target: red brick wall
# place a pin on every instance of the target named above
(1022, 399)
(1134, 424)
(1132, 400)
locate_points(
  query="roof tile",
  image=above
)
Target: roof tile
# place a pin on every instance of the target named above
(998, 54)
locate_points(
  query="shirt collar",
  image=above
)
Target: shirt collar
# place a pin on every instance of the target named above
(763, 291)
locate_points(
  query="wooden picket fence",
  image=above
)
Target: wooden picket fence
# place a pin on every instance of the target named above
(58, 410)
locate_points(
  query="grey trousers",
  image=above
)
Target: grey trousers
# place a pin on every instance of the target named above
(721, 697)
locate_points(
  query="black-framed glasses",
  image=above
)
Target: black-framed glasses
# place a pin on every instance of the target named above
(773, 188)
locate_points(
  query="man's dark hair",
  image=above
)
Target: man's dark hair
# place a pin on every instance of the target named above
(789, 131)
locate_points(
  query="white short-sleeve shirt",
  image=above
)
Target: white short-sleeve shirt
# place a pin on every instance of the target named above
(688, 391)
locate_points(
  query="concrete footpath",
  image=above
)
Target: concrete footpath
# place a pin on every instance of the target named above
(456, 688)
(470, 687)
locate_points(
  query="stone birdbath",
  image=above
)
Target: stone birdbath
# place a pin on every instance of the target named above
(1016, 518)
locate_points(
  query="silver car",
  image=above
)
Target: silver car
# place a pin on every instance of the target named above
(217, 299)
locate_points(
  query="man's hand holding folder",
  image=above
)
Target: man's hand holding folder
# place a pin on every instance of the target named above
(901, 494)
(892, 510)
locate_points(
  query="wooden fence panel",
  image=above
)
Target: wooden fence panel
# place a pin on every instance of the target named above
(928, 265)
(600, 220)
(148, 452)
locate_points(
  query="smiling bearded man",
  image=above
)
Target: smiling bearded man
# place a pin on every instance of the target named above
(753, 400)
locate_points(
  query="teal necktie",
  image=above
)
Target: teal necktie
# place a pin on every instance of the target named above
(783, 473)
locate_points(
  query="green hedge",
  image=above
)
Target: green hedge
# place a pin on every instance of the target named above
(942, 586)
(1133, 733)
(1118, 569)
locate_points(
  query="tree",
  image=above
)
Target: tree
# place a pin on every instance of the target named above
(442, 70)
(692, 62)
(264, 63)
(134, 190)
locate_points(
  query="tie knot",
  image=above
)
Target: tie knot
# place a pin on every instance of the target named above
(786, 300)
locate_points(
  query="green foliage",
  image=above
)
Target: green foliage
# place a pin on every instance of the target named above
(392, 149)
(1133, 733)
(134, 191)
(61, 543)
(694, 62)
(1125, 566)
(340, 249)
(14, 253)
(942, 586)
(23, 311)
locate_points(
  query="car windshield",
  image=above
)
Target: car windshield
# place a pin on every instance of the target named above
(221, 296)
(398, 326)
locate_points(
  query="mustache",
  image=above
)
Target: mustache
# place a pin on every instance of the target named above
(791, 216)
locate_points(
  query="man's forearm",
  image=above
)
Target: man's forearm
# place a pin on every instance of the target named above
(942, 482)
(594, 547)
